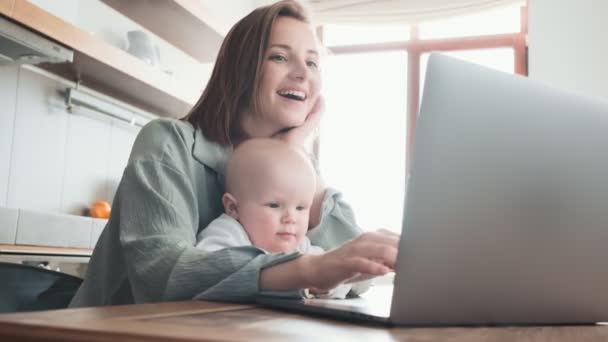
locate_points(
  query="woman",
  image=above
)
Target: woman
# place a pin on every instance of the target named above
(265, 83)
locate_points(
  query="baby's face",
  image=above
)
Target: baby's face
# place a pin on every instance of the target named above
(276, 219)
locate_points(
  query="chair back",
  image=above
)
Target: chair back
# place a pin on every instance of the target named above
(30, 288)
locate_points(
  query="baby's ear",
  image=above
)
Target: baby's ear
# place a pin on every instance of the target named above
(230, 205)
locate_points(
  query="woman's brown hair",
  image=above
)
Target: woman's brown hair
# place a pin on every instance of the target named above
(235, 77)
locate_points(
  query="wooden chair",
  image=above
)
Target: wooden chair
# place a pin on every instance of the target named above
(29, 288)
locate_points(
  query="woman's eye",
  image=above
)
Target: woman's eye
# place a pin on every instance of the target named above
(312, 64)
(278, 58)
(272, 205)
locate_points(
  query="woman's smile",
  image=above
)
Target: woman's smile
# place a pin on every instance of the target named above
(292, 100)
(293, 94)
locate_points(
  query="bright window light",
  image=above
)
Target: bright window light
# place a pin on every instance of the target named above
(505, 19)
(363, 134)
(343, 34)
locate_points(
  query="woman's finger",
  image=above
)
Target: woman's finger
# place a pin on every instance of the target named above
(390, 240)
(367, 267)
(380, 254)
(302, 134)
(318, 107)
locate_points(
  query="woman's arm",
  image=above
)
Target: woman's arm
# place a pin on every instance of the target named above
(369, 255)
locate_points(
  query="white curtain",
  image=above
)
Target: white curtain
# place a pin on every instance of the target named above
(392, 11)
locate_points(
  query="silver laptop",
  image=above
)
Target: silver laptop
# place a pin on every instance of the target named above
(506, 217)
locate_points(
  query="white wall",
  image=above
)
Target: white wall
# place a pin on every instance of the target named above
(224, 14)
(50, 160)
(8, 93)
(568, 45)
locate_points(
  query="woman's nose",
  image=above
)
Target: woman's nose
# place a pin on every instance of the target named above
(299, 71)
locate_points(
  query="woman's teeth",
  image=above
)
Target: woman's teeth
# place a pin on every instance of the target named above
(293, 95)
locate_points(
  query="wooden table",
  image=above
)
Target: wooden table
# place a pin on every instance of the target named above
(208, 321)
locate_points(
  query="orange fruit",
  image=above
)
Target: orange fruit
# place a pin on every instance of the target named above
(100, 209)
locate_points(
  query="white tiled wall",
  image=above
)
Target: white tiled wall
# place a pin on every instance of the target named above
(121, 135)
(8, 93)
(8, 225)
(53, 164)
(57, 162)
(86, 164)
(39, 145)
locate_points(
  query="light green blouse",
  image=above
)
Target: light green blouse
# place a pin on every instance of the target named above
(170, 190)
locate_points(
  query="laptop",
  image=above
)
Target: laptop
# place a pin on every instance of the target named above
(506, 213)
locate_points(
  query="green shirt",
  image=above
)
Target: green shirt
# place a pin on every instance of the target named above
(170, 190)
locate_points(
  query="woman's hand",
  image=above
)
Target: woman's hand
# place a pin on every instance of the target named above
(305, 134)
(367, 256)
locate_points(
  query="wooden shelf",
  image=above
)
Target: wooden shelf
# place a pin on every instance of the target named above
(6, 6)
(103, 67)
(182, 24)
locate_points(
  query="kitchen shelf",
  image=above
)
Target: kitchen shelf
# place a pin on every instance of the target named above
(6, 6)
(104, 67)
(188, 29)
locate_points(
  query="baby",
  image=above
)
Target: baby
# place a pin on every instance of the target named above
(270, 187)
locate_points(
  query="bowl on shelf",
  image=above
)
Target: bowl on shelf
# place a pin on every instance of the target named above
(142, 47)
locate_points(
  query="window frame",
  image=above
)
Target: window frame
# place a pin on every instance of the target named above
(416, 47)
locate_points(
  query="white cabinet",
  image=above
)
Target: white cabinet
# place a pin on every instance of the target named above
(8, 95)
(39, 144)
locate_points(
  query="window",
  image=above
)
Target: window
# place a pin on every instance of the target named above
(353, 34)
(491, 22)
(374, 136)
(372, 85)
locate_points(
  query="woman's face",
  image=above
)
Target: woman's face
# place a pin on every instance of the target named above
(290, 81)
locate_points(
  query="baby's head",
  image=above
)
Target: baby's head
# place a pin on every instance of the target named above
(270, 186)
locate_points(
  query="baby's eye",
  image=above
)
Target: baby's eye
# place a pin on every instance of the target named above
(272, 205)
(278, 58)
(300, 208)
